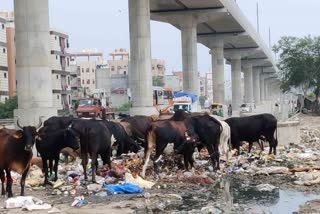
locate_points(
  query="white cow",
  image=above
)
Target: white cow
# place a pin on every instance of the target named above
(225, 140)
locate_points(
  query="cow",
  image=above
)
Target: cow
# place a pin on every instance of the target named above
(58, 122)
(253, 128)
(207, 130)
(123, 140)
(138, 126)
(49, 143)
(225, 140)
(95, 139)
(16, 153)
(159, 135)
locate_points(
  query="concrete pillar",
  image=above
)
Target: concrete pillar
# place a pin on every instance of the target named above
(236, 82)
(262, 89)
(248, 85)
(218, 73)
(266, 90)
(32, 61)
(256, 86)
(189, 56)
(140, 76)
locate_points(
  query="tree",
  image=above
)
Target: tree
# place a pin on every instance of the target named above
(202, 100)
(299, 63)
(6, 108)
(158, 81)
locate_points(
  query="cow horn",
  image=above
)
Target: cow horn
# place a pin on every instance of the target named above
(18, 124)
(39, 124)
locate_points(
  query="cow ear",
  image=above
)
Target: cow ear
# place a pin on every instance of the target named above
(18, 134)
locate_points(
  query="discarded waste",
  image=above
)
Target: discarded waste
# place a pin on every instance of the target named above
(125, 188)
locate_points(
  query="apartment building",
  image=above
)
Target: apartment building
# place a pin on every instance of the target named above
(119, 63)
(60, 66)
(4, 93)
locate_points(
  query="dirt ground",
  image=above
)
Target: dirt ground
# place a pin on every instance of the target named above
(220, 193)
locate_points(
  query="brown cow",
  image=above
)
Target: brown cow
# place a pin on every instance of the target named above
(16, 153)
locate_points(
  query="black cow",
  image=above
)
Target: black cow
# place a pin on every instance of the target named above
(16, 153)
(253, 128)
(95, 139)
(123, 140)
(207, 130)
(58, 122)
(49, 143)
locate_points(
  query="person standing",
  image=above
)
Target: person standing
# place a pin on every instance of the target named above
(229, 110)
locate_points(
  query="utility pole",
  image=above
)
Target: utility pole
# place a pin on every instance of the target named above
(258, 17)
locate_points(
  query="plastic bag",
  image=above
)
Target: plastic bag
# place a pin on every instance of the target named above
(126, 188)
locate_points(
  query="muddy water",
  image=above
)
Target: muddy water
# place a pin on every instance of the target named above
(233, 196)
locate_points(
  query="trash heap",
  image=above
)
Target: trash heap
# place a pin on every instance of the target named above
(301, 163)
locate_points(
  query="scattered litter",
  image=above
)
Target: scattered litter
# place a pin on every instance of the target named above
(26, 203)
(54, 210)
(266, 187)
(125, 188)
(138, 181)
(78, 201)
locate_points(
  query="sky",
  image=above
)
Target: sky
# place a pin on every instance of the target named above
(104, 25)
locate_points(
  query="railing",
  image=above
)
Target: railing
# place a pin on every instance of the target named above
(6, 121)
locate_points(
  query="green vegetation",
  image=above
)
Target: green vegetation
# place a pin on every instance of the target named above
(124, 108)
(6, 108)
(158, 81)
(202, 100)
(299, 63)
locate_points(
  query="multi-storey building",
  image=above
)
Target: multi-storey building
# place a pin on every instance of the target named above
(202, 86)
(4, 94)
(209, 89)
(60, 65)
(119, 63)
(87, 68)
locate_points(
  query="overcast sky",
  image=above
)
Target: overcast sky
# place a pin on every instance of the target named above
(103, 24)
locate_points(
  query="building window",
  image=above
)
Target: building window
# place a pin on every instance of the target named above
(4, 50)
(58, 97)
(125, 66)
(92, 70)
(56, 57)
(69, 99)
(68, 61)
(88, 81)
(2, 26)
(82, 70)
(57, 76)
(87, 70)
(125, 72)
(68, 80)
(92, 81)
(5, 75)
(82, 82)
(112, 68)
(152, 67)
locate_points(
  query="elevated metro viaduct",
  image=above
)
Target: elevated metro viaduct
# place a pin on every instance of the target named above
(218, 24)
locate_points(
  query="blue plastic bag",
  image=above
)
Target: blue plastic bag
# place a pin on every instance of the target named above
(126, 188)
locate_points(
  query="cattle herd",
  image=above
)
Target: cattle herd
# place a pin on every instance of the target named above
(93, 138)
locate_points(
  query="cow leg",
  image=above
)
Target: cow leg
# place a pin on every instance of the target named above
(84, 162)
(9, 183)
(93, 166)
(56, 162)
(23, 180)
(3, 192)
(211, 153)
(250, 146)
(216, 154)
(151, 141)
(45, 169)
(51, 165)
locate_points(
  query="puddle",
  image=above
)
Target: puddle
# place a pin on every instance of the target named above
(235, 197)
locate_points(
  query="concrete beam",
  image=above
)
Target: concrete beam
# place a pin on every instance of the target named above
(254, 62)
(199, 16)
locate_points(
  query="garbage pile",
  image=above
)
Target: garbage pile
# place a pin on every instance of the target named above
(300, 162)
